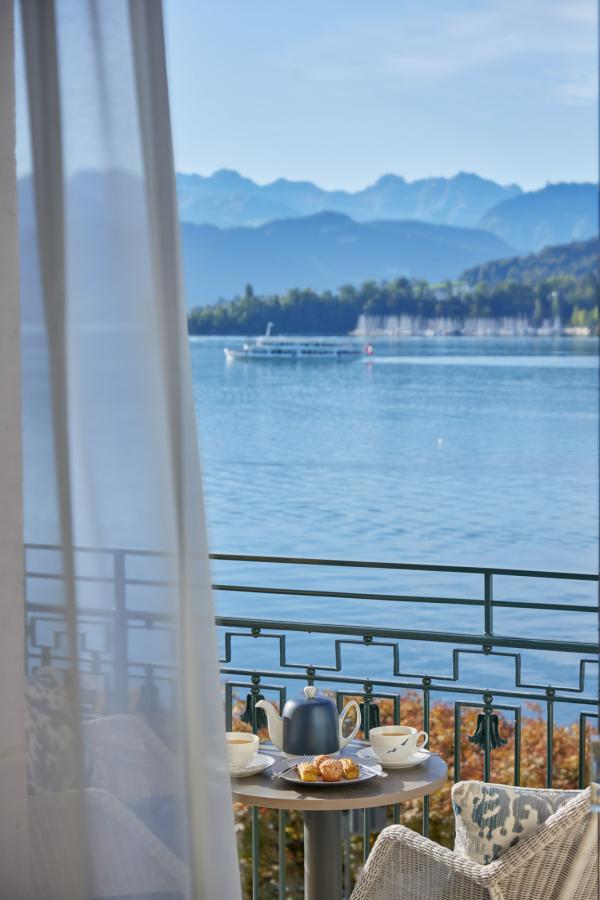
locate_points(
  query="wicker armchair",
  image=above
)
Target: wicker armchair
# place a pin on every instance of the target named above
(558, 862)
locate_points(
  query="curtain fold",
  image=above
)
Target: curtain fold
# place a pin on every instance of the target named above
(13, 828)
(128, 787)
(41, 66)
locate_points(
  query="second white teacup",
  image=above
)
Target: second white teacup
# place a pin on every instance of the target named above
(241, 747)
(396, 743)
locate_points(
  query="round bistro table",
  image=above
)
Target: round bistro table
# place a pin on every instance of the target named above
(323, 806)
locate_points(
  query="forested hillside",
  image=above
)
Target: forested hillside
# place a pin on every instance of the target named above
(578, 259)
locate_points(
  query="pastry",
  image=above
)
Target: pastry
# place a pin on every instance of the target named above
(319, 759)
(307, 771)
(349, 768)
(331, 770)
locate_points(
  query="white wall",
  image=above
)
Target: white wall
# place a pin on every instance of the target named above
(13, 797)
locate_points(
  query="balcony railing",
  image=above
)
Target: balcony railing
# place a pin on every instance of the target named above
(517, 637)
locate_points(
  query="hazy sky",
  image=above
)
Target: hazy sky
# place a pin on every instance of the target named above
(342, 91)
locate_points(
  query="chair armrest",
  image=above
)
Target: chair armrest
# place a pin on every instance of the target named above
(405, 863)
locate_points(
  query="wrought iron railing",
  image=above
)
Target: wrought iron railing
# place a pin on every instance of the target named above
(486, 662)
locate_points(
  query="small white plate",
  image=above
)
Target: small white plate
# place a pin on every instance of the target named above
(418, 757)
(259, 763)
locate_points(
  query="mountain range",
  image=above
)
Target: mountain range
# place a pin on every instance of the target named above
(324, 251)
(228, 199)
(527, 220)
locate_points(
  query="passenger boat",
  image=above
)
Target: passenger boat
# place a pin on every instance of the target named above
(282, 348)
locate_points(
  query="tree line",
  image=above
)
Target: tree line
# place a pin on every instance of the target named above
(571, 298)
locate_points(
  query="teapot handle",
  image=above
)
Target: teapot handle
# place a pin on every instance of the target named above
(356, 729)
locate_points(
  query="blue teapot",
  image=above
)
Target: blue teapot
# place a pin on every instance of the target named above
(310, 725)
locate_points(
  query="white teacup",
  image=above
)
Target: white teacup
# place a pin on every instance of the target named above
(396, 743)
(241, 747)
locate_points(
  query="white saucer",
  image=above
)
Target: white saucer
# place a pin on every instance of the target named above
(418, 757)
(257, 764)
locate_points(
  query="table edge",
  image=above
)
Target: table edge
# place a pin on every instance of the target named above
(315, 804)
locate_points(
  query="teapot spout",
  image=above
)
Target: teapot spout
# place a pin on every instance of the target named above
(274, 721)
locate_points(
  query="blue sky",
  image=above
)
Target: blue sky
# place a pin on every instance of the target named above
(342, 91)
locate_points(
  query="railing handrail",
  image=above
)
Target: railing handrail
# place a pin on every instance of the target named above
(357, 630)
(400, 598)
(338, 595)
(417, 567)
(345, 563)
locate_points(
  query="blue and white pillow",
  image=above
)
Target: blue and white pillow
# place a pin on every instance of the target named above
(490, 818)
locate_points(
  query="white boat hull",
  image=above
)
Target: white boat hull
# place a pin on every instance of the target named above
(292, 355)
(296, 349)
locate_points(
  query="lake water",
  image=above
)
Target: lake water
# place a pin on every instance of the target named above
(442, 451)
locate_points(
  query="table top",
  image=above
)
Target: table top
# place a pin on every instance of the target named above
(400, 785)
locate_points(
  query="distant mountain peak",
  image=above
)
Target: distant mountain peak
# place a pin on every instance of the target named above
(325, 221)
(230, 176)
(328, 217)
(390, 179)
(290, 182)
(555, 214)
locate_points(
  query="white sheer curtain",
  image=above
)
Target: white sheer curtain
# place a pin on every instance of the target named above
(127, 788)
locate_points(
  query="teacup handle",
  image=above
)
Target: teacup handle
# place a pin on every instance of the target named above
(356, 729)
(426, 736)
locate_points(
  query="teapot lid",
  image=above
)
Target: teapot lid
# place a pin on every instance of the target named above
(309, 702)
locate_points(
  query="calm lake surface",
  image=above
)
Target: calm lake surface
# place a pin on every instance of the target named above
(443, 451)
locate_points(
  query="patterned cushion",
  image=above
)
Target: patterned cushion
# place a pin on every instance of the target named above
(490, 818)
(52, 760)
